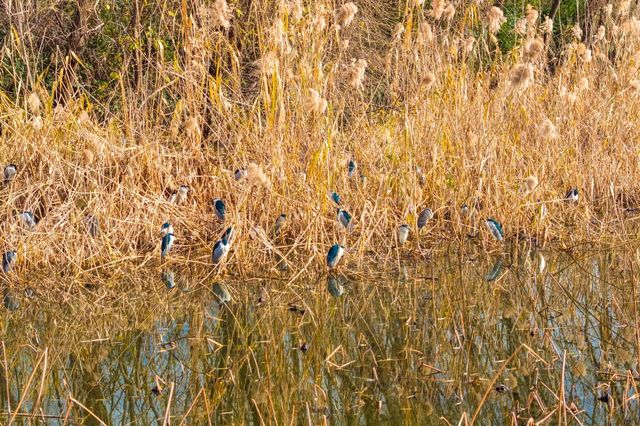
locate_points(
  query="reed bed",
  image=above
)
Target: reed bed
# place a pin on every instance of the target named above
(418, 94)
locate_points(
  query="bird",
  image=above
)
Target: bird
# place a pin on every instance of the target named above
(465, 211)
(172, 198)
(335, 197)
(181, 195)
(495, 228)
(424, 217)
(220, 208)
(403, 233)
(221, 247)
(169, 279)
(345, 219)
(167, 243)
(334, 255)
(572, 195)
(352, 168)
(280, 221)
(8, 260)
(166, 228)
(92, 225)
(10, 171)
(240, 174)
(28, 219)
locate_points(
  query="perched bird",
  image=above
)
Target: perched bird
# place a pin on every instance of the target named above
(28, 219)
(352, 168)
(240, 174)
(92, 225)
(167, 243)
(345, 219)
(334, 255)
(221, 247)
(495, 228)
(166, 228)
(424, 217)
(220, 208)
(403, 233)
(335, 197)
(465, 211)
(10, 171)
(8, 260)
(572, 195)
(181, 195)
(280, 221)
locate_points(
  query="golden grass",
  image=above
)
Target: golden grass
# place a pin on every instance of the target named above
(423, 87)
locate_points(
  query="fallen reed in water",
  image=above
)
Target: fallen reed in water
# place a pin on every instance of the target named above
(421, 99)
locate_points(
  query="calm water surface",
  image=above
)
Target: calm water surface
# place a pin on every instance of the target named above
(424, 344)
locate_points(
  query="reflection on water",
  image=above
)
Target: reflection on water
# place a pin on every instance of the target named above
(430, 341)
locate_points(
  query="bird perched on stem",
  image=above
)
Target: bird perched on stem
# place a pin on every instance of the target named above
(181, 195)
(345, 219)
(403, 233)
(8, 260)
(424, 217)
(334, 255)
(572, 195)
(280, 221)
(167, 241)
(10, 171)
(222, 246)
(220, 209)
(495, 228)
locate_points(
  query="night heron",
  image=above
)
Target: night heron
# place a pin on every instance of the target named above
(345, 219)
(8, 260)
(181, 195)
(403, 233)
(280, 221)
(495, 228)
(167, 242)
(28, 219)
(352, 168)
(572, 195)
(10, 171)
(424, 217)
(334, 255)
(222, 246)
(220, 209)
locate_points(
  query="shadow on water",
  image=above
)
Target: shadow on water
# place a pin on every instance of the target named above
(440, 340)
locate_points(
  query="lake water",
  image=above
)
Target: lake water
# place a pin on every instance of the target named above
(543, 336)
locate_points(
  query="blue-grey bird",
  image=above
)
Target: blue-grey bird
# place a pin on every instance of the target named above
(240, 174)
(572, 195)
(167, 243)
(334, 255)
(169, 279)
(222, 246)
(28, 219)
(465, 211)
(495, 228)
(352, 168)
(181, 195)
(8, 260)
(280, 221)
(335, 197)
(92, 225)
(424, 217)
(220, 209)
(345, 219)
(403, 233)
(10, 171)
(166, 228)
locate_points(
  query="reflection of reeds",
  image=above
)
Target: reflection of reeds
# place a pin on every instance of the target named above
(292, 94)
(412, 340)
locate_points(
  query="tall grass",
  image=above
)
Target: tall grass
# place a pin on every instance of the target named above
(418, 94)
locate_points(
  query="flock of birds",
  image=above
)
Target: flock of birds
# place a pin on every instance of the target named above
(223, 245)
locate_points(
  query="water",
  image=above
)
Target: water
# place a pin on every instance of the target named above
(416, 345)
